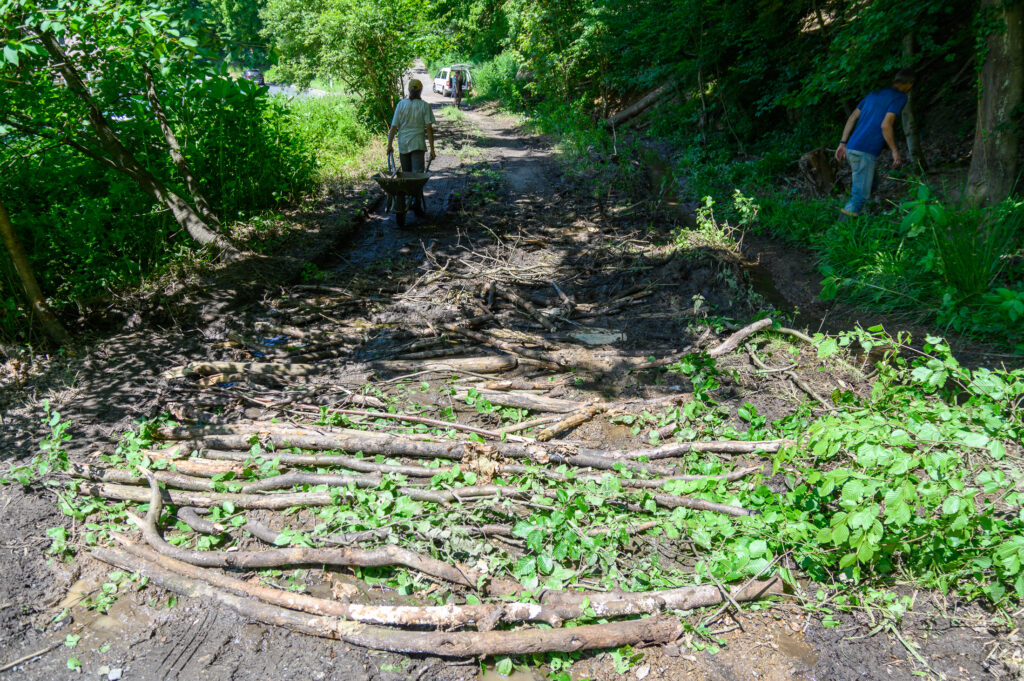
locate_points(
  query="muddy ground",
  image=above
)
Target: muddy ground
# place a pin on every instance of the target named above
(501, 212)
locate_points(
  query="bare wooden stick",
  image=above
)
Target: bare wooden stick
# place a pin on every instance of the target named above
(490, 364)
(532, 423)
(387, 555)
(190, 517)
(649, 631)
(578, 417)
(424, 420)
(733, 341)
(264, 368)
(241, 436)
(523, 384)
(528, 307)
(484, 615)
(525, 401)
(722, 447)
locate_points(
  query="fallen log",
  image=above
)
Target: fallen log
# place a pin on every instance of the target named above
(648, 631)
(675, 449)
(574, 419)
(523, 384)
(552, 610)
(494, 435)
(241, 368)
(525, 401)
(733, 341)
(641, 105)
(547, 360)
(490, 364)
(241, 437)
(190, 516)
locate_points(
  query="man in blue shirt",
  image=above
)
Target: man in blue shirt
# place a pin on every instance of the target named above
(869, 129)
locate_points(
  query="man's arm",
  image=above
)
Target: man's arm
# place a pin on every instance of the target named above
(391, 138)
(889, 133)
(430, 138)
(851, 123)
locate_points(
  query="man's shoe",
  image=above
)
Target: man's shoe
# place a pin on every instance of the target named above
(845, 215)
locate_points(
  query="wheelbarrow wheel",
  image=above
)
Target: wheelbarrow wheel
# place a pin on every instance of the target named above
(400, 218)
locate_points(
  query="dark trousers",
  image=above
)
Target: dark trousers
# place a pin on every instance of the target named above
(412, 162)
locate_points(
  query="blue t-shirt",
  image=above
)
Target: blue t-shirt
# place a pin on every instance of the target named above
(867, 136)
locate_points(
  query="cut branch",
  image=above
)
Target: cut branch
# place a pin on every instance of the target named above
(733, 341)
(649, 631)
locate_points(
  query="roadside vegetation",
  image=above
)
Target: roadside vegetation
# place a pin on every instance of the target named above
(842, 472)
(942, 244)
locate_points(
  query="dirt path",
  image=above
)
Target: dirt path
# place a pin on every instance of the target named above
(500, 215)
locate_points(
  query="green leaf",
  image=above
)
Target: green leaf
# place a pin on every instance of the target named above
(827, 348)
(11, 55)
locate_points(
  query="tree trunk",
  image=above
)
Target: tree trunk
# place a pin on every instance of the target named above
(640, 105)
(33, 294)
(124, 161)
(177, 154)
(910, 129)
(994, 161)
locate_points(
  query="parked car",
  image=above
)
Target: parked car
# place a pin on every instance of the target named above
(443, 79)
(254, 74)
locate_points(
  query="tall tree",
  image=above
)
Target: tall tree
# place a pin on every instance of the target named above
(994, 159)
(367, 44)
(33, 293)
(79, 67)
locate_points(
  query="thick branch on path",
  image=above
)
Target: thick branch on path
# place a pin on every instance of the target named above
(239, 368)
(490, 364)
(733, 341)
(426, 421)
(382, 556)
(649, 631)
(722, 447)
(369, 442)
(525, 401)
(574, 419)
(206, 469)
(283, 500)
(484, 615)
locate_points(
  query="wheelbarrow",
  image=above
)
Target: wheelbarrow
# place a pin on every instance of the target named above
(402, 190)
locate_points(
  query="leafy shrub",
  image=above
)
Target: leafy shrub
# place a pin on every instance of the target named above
(495, 80)
(330, 126)
(912, 481)
(89, 230)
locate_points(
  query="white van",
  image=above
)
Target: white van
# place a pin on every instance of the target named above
(443, 79)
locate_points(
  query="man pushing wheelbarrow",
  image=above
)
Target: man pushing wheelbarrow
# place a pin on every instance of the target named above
(413, 124)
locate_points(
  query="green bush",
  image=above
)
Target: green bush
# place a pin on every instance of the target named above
(495, 80)
(89, 230)
(330, 126)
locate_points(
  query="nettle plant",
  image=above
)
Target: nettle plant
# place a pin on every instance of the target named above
(916, 480)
